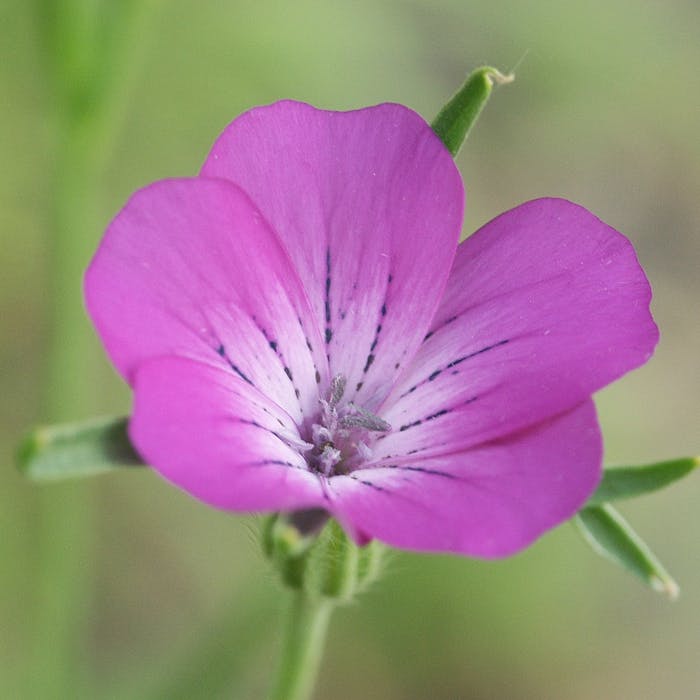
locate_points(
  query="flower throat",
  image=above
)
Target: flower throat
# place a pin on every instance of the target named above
(340, 440)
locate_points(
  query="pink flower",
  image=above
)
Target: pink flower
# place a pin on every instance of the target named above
(302, 330)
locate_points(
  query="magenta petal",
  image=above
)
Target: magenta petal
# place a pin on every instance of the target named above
(218, 438)
(190, 267)
(369, 205)
(545, 305)
(490, 501)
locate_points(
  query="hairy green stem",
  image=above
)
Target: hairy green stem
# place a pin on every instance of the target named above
(302, 647)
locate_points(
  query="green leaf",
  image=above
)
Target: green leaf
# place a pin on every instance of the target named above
(611, 536)
(626, 482)
(77, 449)
(456, 118)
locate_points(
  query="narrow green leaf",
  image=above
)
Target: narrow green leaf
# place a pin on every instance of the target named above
(626, 482)
(611, 536)
(457, 117)
(77, 449)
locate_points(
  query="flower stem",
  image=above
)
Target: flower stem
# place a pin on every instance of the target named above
(302, 648)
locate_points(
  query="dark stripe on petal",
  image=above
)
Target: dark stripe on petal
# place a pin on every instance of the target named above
(474, 354)
(376, 338)
(371, 355)
(422, 470)
(447, 322)
(221, 350)
(265, 409)
(327, 302)
(437, 414)
(366, 483)
(288, 372)
(276, 462)
(255, 424)
(410, 425)
(433, 416)
(434, 375)
(310, 347)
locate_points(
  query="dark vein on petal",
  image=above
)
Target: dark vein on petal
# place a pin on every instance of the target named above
(275, 462)
(434, 375)
(310, 348)
(255, 424)
(274, 346)
(421, 470)
(329, 330)
(451, 319)
(221, 351)
(438, 414)
(414, 424)
(288, 372)
(367, 483)
(371, 355)
(251, 402)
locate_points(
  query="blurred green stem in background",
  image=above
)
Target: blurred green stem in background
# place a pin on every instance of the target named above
(88, 50)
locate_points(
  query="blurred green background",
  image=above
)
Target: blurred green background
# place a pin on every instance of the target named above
(161, 597)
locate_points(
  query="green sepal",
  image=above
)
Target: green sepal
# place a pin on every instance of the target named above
(287, 548)
(626, 482)
(324, 563)
(334, 564)
(369, 564)
(77, 449)
(611, 536)
(458, 116)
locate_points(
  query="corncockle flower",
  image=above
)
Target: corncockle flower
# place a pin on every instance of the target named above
(302, 330)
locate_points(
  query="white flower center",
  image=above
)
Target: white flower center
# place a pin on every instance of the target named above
(341, 439)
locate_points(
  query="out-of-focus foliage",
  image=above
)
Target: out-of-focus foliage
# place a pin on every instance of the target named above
(604, 111)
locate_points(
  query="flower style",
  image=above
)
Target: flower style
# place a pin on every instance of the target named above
(302, 330)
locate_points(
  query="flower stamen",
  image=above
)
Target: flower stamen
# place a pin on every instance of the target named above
(339, 440)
